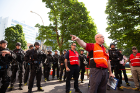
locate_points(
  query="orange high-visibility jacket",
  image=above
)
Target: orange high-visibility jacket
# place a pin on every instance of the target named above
(73, 57)
(135, 61)
(100, 56)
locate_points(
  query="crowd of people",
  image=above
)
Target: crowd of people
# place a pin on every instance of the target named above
(70, 64)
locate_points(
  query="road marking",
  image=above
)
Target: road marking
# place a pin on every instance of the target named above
(128, 88)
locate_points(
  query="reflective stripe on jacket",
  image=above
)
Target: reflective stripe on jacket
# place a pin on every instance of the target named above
(100, 56)
(135, 61)
(73, 57)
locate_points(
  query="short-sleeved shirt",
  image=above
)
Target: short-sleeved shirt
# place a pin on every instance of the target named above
(89, 48)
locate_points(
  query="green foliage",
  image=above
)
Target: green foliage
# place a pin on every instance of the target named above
(13, 35)
(66, 17)
(127, 52)
(123, 21)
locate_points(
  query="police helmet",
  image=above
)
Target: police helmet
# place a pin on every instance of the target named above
(49, 51)
(37, 43)
(82, 50)
(31, 46)
(3, 41)
(112, 44)
(65, 50)
(55, 51)
(18, 44)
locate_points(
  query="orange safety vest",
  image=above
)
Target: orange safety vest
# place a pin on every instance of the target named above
(135, 61)
(100, 56)
(73, 57)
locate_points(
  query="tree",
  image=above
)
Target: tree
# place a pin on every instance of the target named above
(66, 17)
(123, 21)
(13, 35)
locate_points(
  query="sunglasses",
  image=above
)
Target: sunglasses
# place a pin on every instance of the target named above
(74, 45)
(133, 48)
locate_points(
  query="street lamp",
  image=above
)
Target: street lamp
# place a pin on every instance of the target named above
(38, 15)
(42, 22)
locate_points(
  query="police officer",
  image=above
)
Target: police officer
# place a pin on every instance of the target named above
(47, 65)
(36, 57)
(6, 57)
(55, 64)
(82, 58)
(62, 65)
(27, 66)
(115, 56)
(17, 65)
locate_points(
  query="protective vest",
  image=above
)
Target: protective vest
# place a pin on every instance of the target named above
(73, 57)
(135, 61)
(100, 56)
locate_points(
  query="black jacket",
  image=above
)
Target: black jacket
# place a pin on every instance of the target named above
(115, 56)
(62, 59)
(82, 57)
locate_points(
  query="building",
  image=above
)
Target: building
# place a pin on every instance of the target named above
(30, 32)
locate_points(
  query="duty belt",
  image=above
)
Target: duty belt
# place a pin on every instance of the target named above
(36, 62)
(101, 68)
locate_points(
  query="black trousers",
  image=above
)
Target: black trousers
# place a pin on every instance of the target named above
(35, 72)
(62, 67)
(82, 68)
(15, 68)
(124, 73)
(47, 71)
(26, 75)
(74, 71)
(117, 74)
(5, 80)
(55, 66)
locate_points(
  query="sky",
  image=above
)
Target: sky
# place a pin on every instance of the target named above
(20, 10)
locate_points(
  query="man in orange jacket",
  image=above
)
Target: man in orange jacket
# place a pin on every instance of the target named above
(99, 63)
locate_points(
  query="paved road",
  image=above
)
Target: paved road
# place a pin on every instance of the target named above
(54, 86)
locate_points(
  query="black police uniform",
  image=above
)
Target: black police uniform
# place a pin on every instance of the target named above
(82, 58)
(35, 57)
(55, 65)
(115, 56)
(4, 65)
(17, 65)
(47, 66)
(62, 67)
(27, 68)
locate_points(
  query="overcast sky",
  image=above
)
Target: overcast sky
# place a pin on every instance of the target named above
(20, 10)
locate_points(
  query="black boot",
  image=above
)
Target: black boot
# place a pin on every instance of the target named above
(20, 87)
(78, 91)
(11, 87)
(40, 89)
(29, 91)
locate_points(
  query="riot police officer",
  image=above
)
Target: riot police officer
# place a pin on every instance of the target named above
(27, 66)
(82, 58)
(62, 65)
(115, 56)
(55, 64)
(47, 65)
(17, 65)
(6, 57)
(36, 57)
